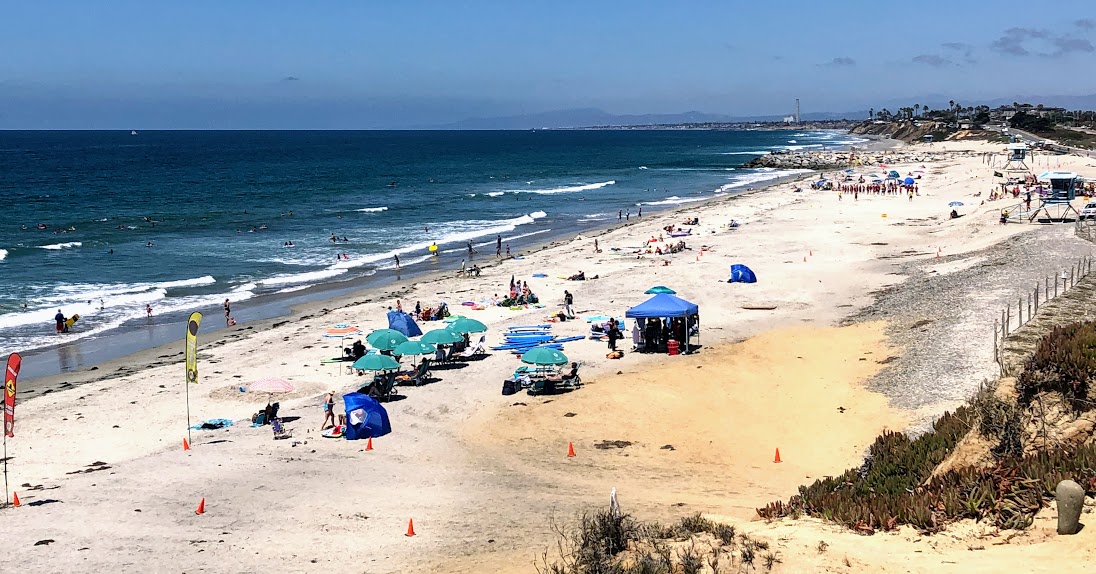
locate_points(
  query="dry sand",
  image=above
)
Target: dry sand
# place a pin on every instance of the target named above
(480, 475)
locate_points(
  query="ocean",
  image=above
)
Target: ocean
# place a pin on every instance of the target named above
(102, 224)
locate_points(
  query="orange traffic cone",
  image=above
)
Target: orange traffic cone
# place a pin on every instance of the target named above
(777, 458)
(570, 449)
(369, 444)
(16, 496)
(201, 507)
(186, 445)
(410, 527)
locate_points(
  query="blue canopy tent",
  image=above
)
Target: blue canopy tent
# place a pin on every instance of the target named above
(666, 306)
(404, 323)
(742, 274)
(365, 417)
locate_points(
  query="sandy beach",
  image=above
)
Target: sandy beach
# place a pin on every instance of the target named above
(815, 359)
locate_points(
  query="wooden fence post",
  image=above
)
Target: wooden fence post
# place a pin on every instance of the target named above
(1036, 297)
(1029, 306)
(996, 349)
(1020, 313)
(1056, 286)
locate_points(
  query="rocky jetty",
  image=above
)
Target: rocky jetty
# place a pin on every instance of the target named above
(827, 160)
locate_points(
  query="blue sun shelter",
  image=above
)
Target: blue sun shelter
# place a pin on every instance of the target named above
(670, 308)
(404, 323)
(365, 417)
(742, 274)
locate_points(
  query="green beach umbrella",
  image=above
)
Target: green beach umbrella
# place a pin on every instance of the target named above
(414, 348)
(385, 339)
(465, 325)
(441, 337)
(544, 356)
(376, 362)
(660, 289)
(452, 318)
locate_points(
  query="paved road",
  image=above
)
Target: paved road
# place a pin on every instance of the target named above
(1054, 147)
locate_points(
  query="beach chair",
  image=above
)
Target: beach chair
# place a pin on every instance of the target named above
(383, 386)
(477, 350)
(280, 432)
(421, 375)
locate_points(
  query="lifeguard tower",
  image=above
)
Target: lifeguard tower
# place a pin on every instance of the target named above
(1016, 157)
(1056, 203)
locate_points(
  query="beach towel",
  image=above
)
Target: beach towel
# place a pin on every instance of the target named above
(334, 432)
(212, 424)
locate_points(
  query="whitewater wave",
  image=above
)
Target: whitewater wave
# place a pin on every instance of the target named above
(495, 193)
(754, 152)
(3, 254)
(295, 278)
(568, 189)
(57, 246)
(197, 282)
(674, 200)
(455, 232)
(372, 209)
(762, 175)
(642, 167)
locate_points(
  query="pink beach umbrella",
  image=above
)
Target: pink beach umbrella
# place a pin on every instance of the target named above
(271, 385)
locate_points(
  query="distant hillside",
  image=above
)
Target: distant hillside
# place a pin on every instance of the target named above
(591, 117)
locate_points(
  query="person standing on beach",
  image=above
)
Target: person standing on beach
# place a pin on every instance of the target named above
(471, 250)
(498, 246)
(228, 311)
(620, 214)
(596, 249)
(328, 410)
(59, 318)
(640, 212)
(396, 256)
(507, 249)
(628, 216)
(568, 300)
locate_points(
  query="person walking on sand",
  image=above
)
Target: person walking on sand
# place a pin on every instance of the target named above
(396, 256)
(328, 410)
(568, 301)
(228, 311)
(596, 248)
(498, 246)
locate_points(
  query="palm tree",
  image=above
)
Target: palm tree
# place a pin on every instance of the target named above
(871, 113)
(916, 107)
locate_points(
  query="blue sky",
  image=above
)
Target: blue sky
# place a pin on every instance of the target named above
(232, 64)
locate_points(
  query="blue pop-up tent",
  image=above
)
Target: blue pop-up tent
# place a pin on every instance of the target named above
(404, 323)
(663, 306)
(742, 274)
(365, 417)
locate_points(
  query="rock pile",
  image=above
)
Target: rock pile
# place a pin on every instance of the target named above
(842, 159)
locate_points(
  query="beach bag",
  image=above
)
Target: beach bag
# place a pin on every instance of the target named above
(615, 355)
(511, 387)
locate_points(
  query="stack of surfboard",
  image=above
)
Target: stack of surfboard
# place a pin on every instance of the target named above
(518, 340)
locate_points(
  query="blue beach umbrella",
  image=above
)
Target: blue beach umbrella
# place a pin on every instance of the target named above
(956, 204)
(908, 181)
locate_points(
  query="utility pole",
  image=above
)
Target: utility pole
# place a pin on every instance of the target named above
(798, 120)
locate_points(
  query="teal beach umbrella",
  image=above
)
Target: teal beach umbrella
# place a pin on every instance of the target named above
(414, 348)
(466, 325)
(385, 339)
(660, 289)
(441, 337)
(544, 356)
(376, 362)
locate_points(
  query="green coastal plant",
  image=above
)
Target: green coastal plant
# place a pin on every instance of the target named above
(1064, 362)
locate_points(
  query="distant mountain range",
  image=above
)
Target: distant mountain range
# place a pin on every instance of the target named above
(589, 117)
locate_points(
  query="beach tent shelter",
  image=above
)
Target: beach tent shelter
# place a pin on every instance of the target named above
(404, 323)
(365, 417)
(742, 274)
(666, 306)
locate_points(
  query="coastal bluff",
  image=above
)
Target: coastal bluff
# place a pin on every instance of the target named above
(824, 160)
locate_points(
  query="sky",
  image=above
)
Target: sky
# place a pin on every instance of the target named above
(242, 64)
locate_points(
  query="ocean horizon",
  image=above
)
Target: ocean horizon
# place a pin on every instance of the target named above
(103, 224)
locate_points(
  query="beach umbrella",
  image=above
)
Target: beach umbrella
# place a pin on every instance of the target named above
(376, 362)
(271, 385)
(893, 174)
(414, 348)
(659, 289)
(442, 337)
(544, 356)
(850, 170)
(466, 325)
(908, 181)
(956, 204)
(385, 339)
